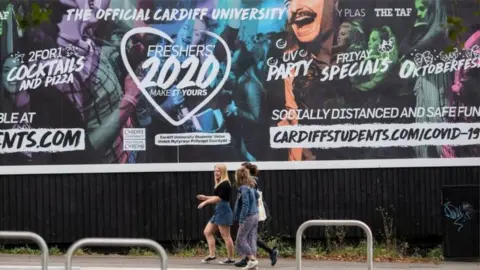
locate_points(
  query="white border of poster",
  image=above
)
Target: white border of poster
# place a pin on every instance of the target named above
(208, 166)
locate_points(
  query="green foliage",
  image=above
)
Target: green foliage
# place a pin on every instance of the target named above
(34, 18)
(313, 250)
(456, 28)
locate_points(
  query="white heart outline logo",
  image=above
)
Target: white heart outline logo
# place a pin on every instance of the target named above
(154, 31)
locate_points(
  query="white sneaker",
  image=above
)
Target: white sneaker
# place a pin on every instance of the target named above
(251, 264)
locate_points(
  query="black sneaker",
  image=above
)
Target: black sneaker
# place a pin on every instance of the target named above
(241, 263)
(228, 261)
(273, 256)
(209, 259)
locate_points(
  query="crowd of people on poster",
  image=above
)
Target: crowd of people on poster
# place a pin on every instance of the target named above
(154, 82)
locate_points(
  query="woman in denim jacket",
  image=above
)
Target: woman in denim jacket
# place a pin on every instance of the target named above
(253, 169)
(246, 213)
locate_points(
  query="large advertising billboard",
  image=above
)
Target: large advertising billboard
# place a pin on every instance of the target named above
(163, 85)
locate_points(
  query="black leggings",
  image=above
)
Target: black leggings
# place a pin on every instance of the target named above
(260, 243)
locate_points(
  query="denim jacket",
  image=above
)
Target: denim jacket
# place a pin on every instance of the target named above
(246, 204)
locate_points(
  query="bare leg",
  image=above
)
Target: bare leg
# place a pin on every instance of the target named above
(225, 232)
(209, 233)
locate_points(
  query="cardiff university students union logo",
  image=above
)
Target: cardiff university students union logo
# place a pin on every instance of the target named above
(165, 82)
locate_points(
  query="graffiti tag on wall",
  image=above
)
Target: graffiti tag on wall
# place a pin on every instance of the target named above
(459, 214)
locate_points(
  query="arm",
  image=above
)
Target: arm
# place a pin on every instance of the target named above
(143, 4)
(229, 34)
(257, 196)
(101, 136)
(294, 154)
(376, 80)
(221, 191)
(254, 102)
(379, 77)
(245, 204)
(212, 200)
(204, 198)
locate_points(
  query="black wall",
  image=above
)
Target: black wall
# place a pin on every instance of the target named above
(162, 206)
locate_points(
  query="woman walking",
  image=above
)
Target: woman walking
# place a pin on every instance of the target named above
(246, 213)
(273, 252)
(223, 217)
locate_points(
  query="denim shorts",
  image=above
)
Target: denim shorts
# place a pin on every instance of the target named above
(223, 214)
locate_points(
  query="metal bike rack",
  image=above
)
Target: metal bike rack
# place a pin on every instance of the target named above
(116, 242)
(355, 223)
(32, 237)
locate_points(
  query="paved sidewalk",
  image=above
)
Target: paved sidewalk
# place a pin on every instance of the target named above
(8, 262)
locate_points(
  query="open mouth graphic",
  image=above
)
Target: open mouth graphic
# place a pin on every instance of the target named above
(303, 18)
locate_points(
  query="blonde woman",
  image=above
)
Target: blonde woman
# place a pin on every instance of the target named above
(246, 213)
(223, 217)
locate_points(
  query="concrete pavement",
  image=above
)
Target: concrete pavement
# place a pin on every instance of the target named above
(8, 262)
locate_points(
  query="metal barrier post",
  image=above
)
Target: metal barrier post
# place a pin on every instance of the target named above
(356, 223)
(116, 242)
(32, 237)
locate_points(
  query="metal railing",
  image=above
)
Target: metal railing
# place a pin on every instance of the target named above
(355, 223)
(116, 242)
(17, 235)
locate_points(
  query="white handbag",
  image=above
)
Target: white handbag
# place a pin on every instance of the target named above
(262, 213)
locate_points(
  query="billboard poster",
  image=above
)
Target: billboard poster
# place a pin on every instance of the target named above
(166, 85)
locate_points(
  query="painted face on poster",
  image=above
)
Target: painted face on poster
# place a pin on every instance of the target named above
(305, 16)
